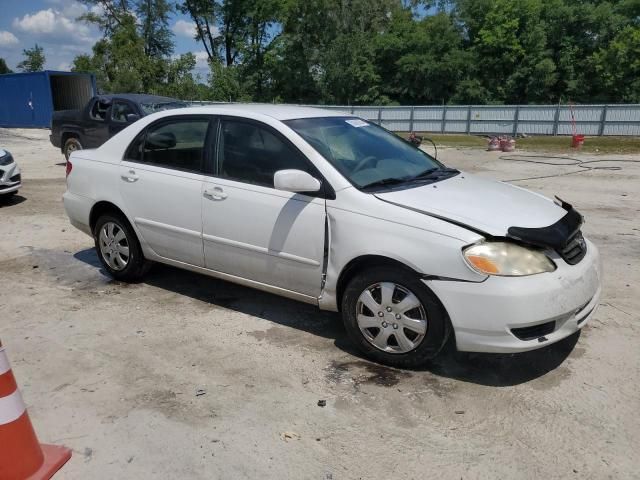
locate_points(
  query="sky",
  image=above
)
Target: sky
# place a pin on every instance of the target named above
(53, 25)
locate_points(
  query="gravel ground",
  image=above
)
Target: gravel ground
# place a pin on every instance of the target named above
(183, 376)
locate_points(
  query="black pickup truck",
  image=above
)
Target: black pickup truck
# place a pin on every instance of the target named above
(102, 118)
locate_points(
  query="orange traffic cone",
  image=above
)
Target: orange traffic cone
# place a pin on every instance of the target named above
(21, 456)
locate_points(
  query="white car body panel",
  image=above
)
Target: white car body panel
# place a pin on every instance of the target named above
(281, 244)
(277, 241)
(467, 199)
(165, 206)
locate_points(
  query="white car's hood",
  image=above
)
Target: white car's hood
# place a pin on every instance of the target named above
(486, 205)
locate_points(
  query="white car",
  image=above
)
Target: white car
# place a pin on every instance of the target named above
(10, 177)
(332, 210)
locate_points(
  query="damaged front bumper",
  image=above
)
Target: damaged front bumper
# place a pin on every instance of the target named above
(517, 314)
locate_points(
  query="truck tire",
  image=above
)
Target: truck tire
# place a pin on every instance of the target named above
(118, 248)
(394, 318)
(71, 145)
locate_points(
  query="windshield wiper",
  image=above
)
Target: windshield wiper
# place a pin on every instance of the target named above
(434, 173)
(385, 182)
(429, 174)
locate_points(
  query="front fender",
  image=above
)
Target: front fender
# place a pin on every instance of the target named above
(353, 235)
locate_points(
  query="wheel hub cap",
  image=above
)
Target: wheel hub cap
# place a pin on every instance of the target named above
(391, 317)
(114, 246)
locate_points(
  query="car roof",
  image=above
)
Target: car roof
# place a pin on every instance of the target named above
(138, 98)
(278, 112)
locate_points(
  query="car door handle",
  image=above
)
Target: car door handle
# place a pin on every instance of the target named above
(130, 177)
(215, 193)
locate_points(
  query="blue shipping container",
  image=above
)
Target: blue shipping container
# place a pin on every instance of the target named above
(29, 99)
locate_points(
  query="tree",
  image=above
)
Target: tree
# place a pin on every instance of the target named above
(422, 61)
(33, 61)
(374, 51)
(295, 57)
(154, 27)
(618, 66)
(231, 29)
(180, 82)
(3, 67)
(107, 14)
(119, 61)
(135, 53)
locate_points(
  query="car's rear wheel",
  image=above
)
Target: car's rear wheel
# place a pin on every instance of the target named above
(71, 145)
(393, 318)
(118, 248)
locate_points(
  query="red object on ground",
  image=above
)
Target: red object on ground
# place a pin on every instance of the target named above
(577, 141)
(507, 144)
(494, 144)
(21, 456)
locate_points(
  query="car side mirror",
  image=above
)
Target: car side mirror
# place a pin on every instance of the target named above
(132, 117)
(295, 181)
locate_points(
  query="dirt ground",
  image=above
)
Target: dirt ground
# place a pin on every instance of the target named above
(183, 376)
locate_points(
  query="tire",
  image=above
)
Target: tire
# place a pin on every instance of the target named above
(71, 145)
(118, 248)
(413, 335)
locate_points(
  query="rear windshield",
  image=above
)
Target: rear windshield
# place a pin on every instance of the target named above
(149, 108)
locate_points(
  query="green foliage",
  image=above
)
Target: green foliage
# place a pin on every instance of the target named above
(135, 54)
(618, 65)
(154, 28)
(3, 67)
(376, 51)
(33, 60)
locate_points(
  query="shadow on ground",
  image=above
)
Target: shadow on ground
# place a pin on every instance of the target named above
(496, 370)
(10, 200)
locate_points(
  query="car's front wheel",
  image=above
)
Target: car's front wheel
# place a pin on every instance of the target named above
(393, 318)
(118, 248)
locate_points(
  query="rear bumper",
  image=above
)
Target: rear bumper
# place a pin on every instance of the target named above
(484, 315)
(78, 209)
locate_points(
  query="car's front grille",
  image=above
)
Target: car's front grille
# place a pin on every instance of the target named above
(534, 331)
(574, 250)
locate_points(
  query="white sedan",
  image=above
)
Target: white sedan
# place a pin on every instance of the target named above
(10, 177)
(333, 210)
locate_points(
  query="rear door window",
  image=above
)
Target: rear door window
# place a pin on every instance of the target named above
(178, 144)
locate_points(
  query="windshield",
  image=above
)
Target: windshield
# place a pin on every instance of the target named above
(366, 154)
(149, 108)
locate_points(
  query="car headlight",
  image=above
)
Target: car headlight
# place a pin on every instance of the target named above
(6, 159)
(507, 259)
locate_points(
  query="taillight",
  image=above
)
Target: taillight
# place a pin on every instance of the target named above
(69, 167)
